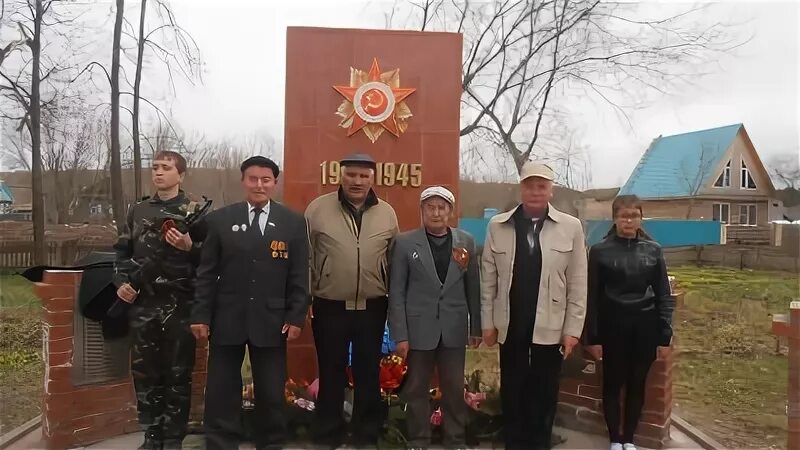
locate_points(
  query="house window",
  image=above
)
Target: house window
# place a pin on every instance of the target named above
(724, 179)
(747, 215)
(746, 181)
(96, 209)
(721, 212)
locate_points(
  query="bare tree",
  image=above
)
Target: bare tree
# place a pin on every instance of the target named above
(137, 85)
(570, 162)
(693, 171)
(524, 59)
(16, 151)
(117, 202)
(72, 144)
(483, 161)
(228, 153)
(21, 83)
(72, 149)
(219, 160)
(786, 169)
(176, 48)
(171, 44)
(166, 136)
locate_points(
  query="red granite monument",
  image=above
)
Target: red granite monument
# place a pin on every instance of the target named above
(392, 94)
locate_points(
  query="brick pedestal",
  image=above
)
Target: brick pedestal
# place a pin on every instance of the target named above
(199, 384)
(580, 404)
(788, 325)
(74, 416)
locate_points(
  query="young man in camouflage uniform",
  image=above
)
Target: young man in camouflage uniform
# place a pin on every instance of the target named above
(155, 274)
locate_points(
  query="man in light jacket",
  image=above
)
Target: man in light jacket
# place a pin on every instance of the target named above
(350, 231)
(533, 302)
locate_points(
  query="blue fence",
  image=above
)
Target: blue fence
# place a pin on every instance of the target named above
(475, 227)
(668, 233)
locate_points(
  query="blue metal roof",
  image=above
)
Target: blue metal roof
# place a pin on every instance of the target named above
(676, 166)
(5, 193)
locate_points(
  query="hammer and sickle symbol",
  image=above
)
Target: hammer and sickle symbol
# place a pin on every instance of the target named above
(371, 97)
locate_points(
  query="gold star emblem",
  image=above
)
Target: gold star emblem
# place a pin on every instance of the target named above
(374, 102)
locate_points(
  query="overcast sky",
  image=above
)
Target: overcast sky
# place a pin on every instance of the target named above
(243, 45)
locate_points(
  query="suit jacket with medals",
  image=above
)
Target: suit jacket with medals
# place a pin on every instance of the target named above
(422, 309)
(249, 284)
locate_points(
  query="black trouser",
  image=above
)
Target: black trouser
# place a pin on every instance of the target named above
(629, 350)
(416, 393)
(162, 360)
(529, 380)
(223, 421)
(334, 328)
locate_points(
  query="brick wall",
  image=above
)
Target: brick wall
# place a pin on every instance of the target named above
(581, 402)
(81, 415)
(788, 326)
(74, 416)
(199, 384)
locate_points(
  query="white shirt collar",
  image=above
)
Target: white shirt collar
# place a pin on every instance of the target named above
(250, 207)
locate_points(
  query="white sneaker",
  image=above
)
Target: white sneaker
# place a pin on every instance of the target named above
(616, 446)
(628, 447)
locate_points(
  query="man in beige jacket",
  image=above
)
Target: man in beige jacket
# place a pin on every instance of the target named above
(533, 302)
(350, 233)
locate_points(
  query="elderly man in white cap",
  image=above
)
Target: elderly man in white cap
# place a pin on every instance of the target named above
(434, 306)
(533, 302)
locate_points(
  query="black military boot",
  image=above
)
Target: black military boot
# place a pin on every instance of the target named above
(152, 440)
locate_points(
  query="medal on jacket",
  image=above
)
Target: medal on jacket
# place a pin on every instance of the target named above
(279, 249)
(461, 257)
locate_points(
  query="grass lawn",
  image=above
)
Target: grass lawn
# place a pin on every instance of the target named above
(731, 379)
(21, 365)
(16, 291)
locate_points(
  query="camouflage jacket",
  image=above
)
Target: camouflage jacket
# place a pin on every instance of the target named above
(145, 258)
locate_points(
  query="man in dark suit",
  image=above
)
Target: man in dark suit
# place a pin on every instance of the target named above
(252, 289)
(434, 306)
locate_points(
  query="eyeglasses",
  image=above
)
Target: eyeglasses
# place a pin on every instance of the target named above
(630, 216)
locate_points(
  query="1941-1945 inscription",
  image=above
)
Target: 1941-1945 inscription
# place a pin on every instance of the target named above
(386, 174)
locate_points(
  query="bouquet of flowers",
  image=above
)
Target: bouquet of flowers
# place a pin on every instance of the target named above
(483, 403)
(393, 371)
(300, 397)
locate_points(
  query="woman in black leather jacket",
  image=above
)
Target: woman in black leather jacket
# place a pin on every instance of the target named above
(629, 315)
